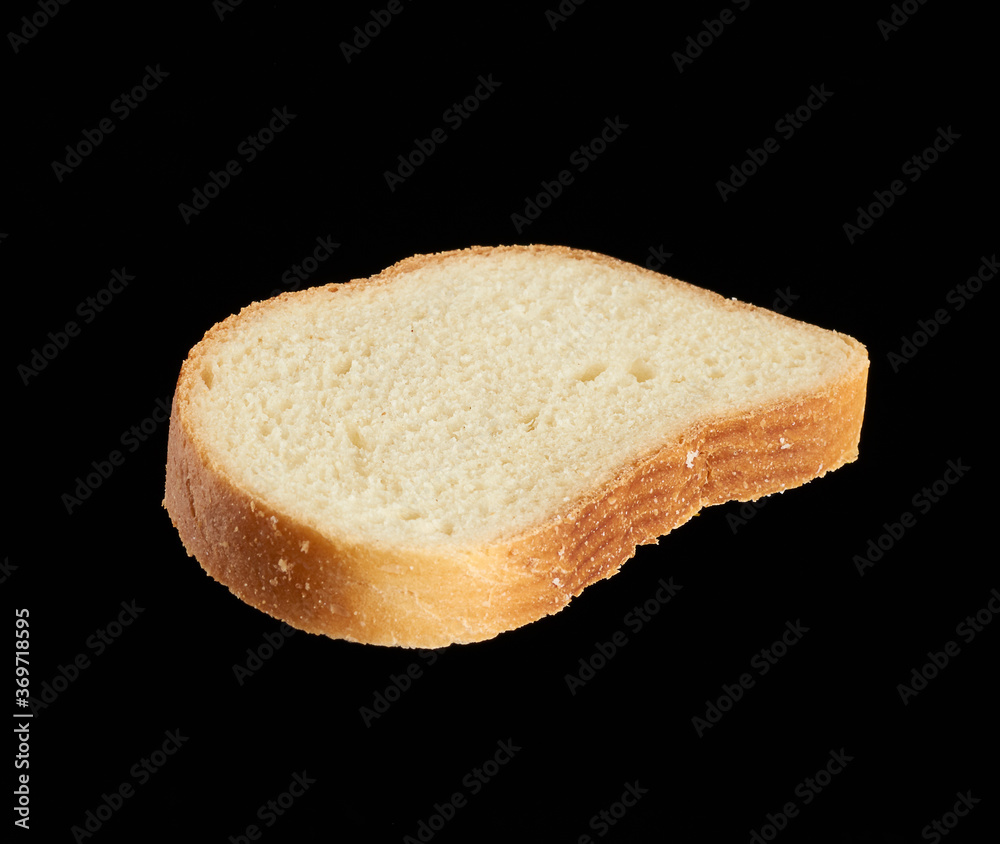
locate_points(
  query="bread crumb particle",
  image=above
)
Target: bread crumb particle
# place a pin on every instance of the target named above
(283, 564)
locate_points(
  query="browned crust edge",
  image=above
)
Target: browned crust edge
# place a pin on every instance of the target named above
(434, 597)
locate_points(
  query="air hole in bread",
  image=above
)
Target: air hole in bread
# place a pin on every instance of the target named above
(641, 370)
(591, 372)
(354, 435)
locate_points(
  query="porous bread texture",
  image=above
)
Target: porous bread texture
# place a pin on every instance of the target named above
(426, 440)
(471, 396)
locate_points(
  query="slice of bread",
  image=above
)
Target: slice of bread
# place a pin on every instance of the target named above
(461, 444)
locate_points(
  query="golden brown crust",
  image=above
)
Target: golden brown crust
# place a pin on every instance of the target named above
(430, 597)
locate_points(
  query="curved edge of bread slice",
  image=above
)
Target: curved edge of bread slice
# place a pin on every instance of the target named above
(429, 597)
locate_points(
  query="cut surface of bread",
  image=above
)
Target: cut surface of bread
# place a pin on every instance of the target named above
(462, 443)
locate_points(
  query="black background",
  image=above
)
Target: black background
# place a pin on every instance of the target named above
(744, 571)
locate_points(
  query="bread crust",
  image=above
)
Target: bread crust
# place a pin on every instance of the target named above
(429, 597)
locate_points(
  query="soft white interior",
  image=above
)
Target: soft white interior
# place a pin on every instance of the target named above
(466, 401)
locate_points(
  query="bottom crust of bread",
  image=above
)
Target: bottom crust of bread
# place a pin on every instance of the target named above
(429, 598)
